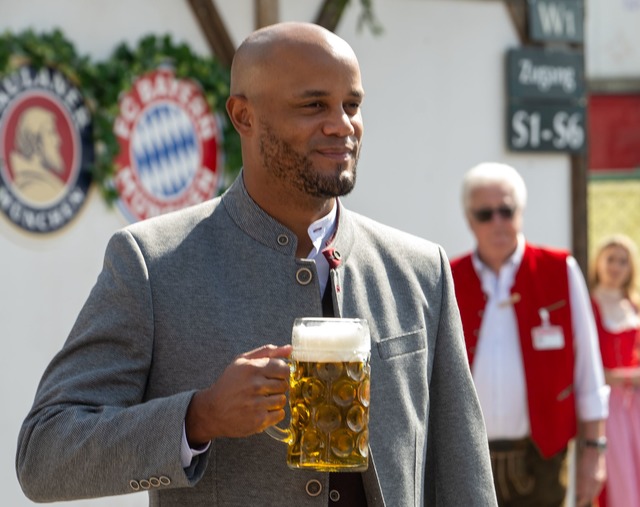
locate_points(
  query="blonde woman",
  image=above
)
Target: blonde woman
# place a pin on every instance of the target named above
(616, 304)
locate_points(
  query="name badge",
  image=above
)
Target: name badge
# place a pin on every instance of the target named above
(546, 336)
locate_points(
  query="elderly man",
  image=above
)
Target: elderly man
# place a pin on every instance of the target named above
(533, 348)
(176, 364)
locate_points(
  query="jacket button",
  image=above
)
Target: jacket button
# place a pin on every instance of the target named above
(304, 276)
(334, 495)
(165, 481)
(135, 486)
(145, 484)
(154, 481)
(283, 240)
(313, 487)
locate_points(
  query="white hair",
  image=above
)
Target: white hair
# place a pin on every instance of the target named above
(491, 173)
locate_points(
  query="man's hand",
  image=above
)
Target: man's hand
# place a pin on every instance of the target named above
(591, 475)
(248, 397)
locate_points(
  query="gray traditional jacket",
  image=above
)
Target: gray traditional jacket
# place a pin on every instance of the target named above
(181, 295)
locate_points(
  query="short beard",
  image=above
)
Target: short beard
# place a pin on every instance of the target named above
(296, 169)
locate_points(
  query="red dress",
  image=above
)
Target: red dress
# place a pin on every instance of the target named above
(619, 350)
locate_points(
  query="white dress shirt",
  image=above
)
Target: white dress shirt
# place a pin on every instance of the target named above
(497, 369)
(320, 232)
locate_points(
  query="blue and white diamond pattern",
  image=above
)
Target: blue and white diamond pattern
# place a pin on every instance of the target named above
(165, 150)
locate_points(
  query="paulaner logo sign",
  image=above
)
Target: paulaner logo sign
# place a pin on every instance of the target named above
(45, 149)
(169, 146)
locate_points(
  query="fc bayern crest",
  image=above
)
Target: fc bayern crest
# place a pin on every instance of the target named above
(169, 146)
(46, 149)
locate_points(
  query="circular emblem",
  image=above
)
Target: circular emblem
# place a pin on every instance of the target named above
(46, 149)
(169, 146)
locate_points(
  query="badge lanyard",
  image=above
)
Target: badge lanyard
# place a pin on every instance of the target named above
(547, 336)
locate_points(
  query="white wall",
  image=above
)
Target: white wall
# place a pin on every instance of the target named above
(434, 107)
(613, 51)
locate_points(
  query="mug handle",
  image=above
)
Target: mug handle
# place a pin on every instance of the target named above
(276, 432)
(279, 434)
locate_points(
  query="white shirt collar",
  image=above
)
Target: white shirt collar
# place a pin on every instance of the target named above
(497, 286)
(321, 231)
(514, 260)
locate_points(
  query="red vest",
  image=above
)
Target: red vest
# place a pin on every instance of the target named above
(541, 282)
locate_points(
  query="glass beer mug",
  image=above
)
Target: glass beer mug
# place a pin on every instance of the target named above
(328, 396)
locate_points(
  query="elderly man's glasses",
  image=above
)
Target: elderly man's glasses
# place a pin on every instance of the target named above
(486, 214)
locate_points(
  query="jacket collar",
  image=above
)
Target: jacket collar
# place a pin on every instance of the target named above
(262, 227)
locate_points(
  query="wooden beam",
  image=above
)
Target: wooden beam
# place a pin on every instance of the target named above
(330, 13)
(518, 11)
(579, 212)
(214, 30)
(266, 12)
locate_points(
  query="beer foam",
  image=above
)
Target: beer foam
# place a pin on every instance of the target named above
(330, 340)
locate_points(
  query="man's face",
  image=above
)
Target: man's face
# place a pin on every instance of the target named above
(310, 125)
(496, 236)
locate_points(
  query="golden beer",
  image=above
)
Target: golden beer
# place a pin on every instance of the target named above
(329, 415)
(329, 395)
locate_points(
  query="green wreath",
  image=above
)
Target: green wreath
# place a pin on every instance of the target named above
(117, 74)
(103, 82)
(49, 49)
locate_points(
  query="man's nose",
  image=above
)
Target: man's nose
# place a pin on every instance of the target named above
(339, 123)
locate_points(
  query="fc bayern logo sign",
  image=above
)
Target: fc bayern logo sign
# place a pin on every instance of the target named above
(169, 146)
(46, 149)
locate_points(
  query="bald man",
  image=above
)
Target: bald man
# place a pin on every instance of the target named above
(177, 362)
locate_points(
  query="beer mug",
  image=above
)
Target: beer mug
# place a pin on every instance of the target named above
(328, 395)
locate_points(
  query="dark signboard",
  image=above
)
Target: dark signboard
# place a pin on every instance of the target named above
(534, 73)
(556, 20)
(532, 126)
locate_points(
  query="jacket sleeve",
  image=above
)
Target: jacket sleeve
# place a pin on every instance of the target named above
(91, 432)
(458, 470)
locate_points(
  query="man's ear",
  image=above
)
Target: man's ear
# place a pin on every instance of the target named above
(239, 112)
